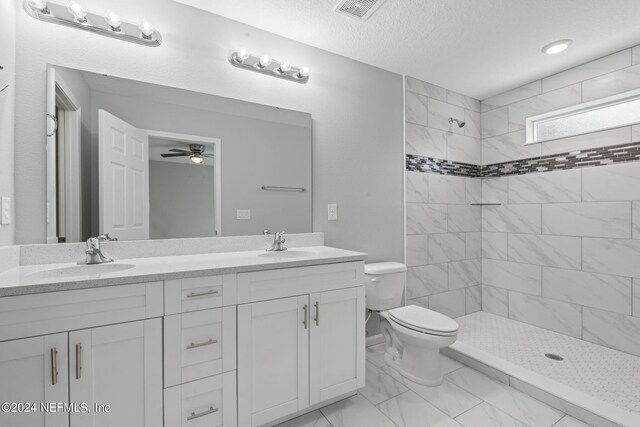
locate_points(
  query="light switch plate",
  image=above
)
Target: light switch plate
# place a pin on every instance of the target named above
(243, 214)
(332, 211)
(5, 211)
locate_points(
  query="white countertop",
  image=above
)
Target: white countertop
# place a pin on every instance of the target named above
(32, 279)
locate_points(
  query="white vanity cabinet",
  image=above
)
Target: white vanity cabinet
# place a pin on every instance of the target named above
(299, 351)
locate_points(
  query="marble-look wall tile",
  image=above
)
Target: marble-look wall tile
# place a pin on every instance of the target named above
(554, 315)
(426, 89)
(512, 218)
(512, 276)
(611, 183)
(447, 189)
(495, 245)
(451, 303)
(606, 292)
(417, 249)
(508, 147)
(588, 141)
(635, 55)
(417, 187)
(611, 256)
(420, 302)
(464, 218)
(425, 218)
(473, 245)
(549, 101)
(438, 114)
(473, 125)
(635, 133)
(636, 219)
(463, 149)
(425, 141)
(546, 187)
(495, 190)
(552, 251)
(415, 108)
(495, 300)
(512, 96)
(589, 70)
(473, 299)
(446, 247)
(463, 274)
(495, 122)
(611, 84)
(636, 297)
(612, 330)
(426, 280)
(463, 101)
(594, 219)
(474, 190)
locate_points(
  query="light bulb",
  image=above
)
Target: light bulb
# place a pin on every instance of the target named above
(243, 54)
(304, 72)
(41, 5)
(146, 29)
(114, 21)
(285, 66)
(557, 47)
(78, 12)
(265, 60)
(197, 158)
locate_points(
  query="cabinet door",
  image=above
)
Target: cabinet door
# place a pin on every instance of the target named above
(273, 361)
(119, 366)
(337, 343)
(34, 370)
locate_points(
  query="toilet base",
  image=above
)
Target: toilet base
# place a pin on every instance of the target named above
(428, 370)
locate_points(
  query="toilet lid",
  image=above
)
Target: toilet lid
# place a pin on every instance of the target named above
(423, 319)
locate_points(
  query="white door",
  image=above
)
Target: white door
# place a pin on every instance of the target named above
(34, 370)
(337, 343)
(124, 179)
(119, 366)
(273, 361)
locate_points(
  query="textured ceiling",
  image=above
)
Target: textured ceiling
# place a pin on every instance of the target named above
(476, 47)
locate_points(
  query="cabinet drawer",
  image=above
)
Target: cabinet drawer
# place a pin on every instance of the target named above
(199, 344)
(46, 313)
(286, 282)
(209, 402)
(199, 293)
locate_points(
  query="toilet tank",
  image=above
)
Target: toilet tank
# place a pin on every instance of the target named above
(384, 283)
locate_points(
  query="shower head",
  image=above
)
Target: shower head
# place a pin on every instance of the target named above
(458, 122)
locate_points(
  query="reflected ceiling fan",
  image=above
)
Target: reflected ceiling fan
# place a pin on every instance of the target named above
(195, 152)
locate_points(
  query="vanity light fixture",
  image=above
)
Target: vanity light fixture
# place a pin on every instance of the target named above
(557, 46)
(72, 14)
(266, 65)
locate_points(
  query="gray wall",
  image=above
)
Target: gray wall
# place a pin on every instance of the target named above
(357, 111)
(7, 110)
(181, 202)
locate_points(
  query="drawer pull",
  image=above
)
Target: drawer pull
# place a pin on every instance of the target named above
(54, 366)
(193, 415)
(202, 294)
(202, 344)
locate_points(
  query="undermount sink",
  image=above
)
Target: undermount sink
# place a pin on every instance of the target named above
(81, 270)
(285, 254)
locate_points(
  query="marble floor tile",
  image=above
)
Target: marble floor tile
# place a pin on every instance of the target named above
(568, 421)
(375, 355)
(355, 411)
(312, 419)
(410, 410)
(485, 415)
(380, 386)
(515, 403)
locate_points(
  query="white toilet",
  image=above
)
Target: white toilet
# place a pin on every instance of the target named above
(413, 335)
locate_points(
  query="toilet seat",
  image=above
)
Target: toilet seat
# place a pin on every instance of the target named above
(423, 320)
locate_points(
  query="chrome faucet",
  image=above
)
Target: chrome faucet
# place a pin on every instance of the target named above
(278, 242)
(93, 252)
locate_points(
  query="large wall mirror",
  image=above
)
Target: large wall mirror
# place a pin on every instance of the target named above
(143, 161)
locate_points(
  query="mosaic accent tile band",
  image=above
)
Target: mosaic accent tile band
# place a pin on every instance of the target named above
(571, 160)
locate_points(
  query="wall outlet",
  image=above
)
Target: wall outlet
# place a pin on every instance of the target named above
(243, 214)
(332, 211)
(5, 211)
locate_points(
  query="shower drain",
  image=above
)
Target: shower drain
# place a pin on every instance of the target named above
(553, 356)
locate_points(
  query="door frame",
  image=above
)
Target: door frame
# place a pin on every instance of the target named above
(217, 151)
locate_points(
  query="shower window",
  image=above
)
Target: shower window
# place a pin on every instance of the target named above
(606, 113)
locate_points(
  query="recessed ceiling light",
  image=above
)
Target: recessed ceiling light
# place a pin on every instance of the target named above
(557, 47)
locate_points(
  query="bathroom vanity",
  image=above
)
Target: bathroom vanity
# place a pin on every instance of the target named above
(223, 339)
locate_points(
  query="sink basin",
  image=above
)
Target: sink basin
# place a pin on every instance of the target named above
(285, 254)
(81, 270)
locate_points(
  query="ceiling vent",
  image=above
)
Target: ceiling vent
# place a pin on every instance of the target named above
(358, 9)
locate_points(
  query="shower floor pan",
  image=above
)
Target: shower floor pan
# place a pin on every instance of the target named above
(595, 384)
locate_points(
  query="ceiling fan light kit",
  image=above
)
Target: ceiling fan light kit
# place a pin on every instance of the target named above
(196, 153)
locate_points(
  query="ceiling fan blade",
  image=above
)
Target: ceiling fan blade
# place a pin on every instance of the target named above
(175, 155)
(208, 155)
(179, 150)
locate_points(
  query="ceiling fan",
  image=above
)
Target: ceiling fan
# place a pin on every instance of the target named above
(195, 152)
